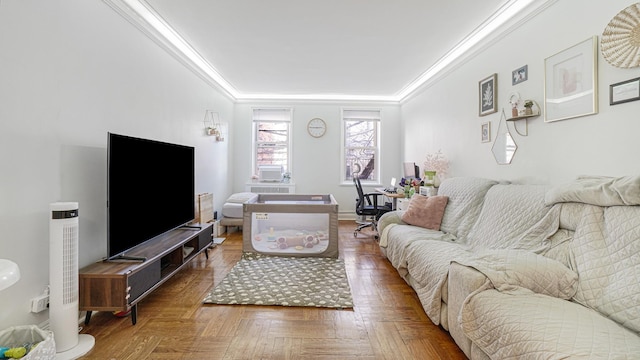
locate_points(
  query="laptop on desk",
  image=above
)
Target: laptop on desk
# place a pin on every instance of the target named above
(392, 186)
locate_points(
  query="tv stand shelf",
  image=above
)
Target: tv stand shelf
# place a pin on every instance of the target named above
(119, 284)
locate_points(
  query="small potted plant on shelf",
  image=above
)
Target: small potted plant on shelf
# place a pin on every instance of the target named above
(527, 107)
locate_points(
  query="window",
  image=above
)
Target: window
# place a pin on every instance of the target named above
(361, 145)
(271, 137)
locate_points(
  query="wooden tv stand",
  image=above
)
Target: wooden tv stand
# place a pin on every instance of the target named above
(118, 285)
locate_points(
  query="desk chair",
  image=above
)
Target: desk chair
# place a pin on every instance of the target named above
(367, 207)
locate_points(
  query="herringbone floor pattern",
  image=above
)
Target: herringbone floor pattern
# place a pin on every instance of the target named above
(387, 321)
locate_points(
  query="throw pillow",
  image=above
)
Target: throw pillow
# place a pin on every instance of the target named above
(425, 211)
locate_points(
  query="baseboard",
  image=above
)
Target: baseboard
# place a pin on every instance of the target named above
(347, 216)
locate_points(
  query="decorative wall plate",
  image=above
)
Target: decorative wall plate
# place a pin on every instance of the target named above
(620, 44)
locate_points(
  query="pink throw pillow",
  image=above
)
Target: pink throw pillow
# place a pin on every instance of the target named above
(425, 211)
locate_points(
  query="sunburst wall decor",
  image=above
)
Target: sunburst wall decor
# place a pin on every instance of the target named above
(620, 43)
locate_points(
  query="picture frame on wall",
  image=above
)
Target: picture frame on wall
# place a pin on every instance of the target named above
(571, 82)
(519, 75)
(485, 132)
(624, 91)
(488, 95)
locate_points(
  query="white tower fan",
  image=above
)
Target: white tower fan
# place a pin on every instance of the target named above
(63, 282)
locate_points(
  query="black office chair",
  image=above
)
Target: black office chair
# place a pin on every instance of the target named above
(368, 209)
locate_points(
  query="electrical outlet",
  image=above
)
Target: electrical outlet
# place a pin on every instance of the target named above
(39, 303)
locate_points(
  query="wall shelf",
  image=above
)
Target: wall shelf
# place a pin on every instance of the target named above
(526, 118)
(523, 117)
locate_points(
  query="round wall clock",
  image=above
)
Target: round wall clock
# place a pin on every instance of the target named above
(316, 127)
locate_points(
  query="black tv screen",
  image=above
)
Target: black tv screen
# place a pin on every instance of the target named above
(150, 190)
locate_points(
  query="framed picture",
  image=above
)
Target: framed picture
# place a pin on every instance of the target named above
(519, 75)
(571, 82)
(625, 91)
(485, 131)
(488, 95)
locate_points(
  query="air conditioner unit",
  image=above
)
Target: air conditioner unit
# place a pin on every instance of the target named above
(63, 282)
(270, 173)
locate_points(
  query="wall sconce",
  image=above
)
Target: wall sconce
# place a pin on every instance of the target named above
(9, 273)
(212, 126)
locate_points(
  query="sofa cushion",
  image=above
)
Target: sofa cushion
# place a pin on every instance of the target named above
(552, 328)
(507, 213)
(466, 195)
(400, 237)
(425, 211)
(428, 263)
(521, 271)
(606, 254)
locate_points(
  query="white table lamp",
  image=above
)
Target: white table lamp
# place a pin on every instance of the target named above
(9, 273)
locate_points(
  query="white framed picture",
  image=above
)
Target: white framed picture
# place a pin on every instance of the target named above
(485, 132)
(571, 82)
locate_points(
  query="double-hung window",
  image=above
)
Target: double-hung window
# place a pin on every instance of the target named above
(272, 137)
(360, 145)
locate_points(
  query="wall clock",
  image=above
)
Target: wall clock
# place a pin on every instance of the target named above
(316, 127)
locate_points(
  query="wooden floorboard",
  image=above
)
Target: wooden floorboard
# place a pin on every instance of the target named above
(387, 321)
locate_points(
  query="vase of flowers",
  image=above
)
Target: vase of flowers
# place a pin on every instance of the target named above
(429, 178)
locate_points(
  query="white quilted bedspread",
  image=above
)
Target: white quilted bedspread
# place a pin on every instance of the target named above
(432, 275)
(397, 238)
(466, 195)
(606, 255)
(508, 211)
(602, 319)
(552, 329)
(523, 272)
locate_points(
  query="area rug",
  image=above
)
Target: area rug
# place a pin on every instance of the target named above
(259, 279)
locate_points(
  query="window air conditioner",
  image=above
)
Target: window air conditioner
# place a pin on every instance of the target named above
(270, 173)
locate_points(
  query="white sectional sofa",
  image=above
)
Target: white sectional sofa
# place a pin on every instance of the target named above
(528, 271)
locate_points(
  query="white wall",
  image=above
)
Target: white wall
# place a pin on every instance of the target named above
(316, 161)
(73, 70)
(445, 116)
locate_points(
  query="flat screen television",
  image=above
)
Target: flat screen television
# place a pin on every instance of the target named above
(150, 190)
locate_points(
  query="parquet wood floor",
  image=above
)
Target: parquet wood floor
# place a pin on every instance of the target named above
(387, 321)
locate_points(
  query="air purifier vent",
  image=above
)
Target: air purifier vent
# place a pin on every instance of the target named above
(70, 264)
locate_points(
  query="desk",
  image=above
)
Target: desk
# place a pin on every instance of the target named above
(393, 196)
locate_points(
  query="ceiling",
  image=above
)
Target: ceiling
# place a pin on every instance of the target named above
(329, 48)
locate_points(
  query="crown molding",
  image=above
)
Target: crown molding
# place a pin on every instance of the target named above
(511, 15)
(141, 15)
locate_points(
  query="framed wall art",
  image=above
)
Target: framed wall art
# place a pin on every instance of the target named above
(488, 95)
(625, 91)
(571, 82)
(519, 75)
(485, 131)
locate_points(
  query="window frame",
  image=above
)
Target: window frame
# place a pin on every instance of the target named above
(360, 114)
(256, 119)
